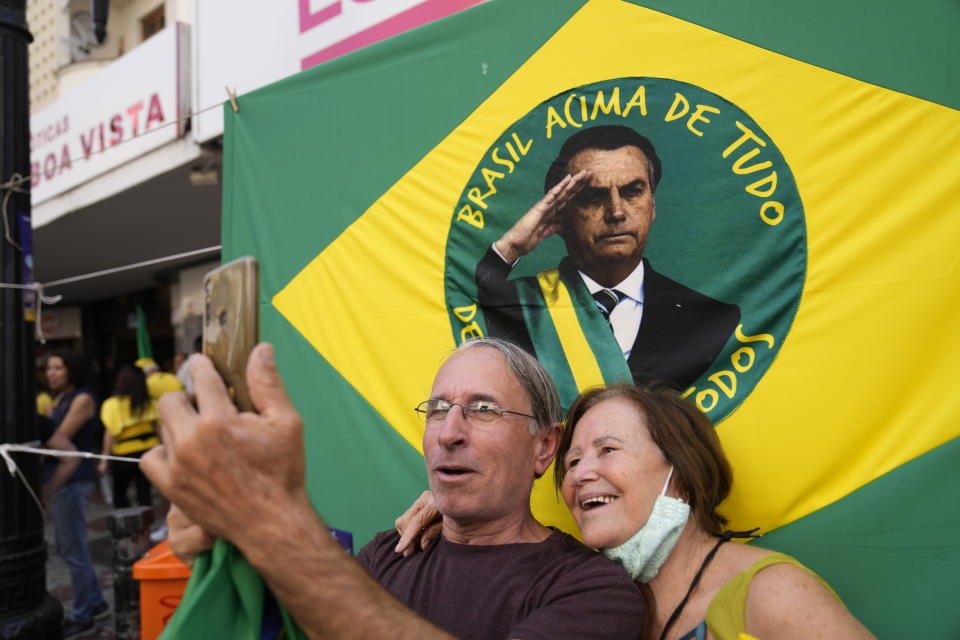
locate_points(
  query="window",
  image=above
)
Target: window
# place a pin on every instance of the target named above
(153, 22)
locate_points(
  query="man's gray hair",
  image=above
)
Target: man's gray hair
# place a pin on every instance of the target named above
(544, 401)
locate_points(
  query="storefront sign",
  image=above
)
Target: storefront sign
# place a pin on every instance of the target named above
(116, 115)
(61, 322)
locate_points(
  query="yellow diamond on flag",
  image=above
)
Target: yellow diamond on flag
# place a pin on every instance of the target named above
(372, 303)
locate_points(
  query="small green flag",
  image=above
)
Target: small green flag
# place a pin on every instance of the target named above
(144, 350)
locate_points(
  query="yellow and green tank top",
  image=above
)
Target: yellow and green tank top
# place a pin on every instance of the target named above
(726, 617)
(131, 432)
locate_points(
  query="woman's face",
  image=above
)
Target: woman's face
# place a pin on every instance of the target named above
(614, 473)
(57, 378)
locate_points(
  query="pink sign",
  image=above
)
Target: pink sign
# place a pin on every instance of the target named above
(410, 18)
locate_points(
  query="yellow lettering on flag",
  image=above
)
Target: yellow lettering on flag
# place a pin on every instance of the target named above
(882, 221)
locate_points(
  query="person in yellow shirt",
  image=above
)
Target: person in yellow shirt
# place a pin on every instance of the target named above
(44, 403)
(130, 419)
(44, 399)
(158, 382)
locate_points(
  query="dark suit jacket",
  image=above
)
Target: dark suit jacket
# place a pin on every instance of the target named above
(681, 333)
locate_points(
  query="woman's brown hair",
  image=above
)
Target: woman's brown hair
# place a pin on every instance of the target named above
(684, 435)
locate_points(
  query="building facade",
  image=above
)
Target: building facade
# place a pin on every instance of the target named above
(126, 148)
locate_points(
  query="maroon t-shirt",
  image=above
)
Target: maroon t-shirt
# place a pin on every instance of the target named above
(557, 588)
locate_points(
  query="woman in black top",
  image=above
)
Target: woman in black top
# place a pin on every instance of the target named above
(68, 486)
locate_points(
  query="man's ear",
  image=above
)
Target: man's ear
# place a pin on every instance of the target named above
(548, 441)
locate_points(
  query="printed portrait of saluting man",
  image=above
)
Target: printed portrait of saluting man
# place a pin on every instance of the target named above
(600, 199)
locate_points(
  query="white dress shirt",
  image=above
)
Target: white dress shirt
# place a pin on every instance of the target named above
(626, 316)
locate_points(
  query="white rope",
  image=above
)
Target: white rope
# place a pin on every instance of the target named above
(56, 453)
(38, 286)
(136, 265)
(11, 186)
(14, 470)
(42, 299)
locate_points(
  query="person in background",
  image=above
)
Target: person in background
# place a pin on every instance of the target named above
(183, 373)
(68, 484)
(158, 382)
(130, 419)
(44, 399)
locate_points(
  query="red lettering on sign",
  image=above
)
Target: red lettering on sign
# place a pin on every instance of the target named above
(308, 19)
(134, 113)
(110, 132)
(116, 126)
(64, 159)
(155, 112)
(49, 166)
(87, 143)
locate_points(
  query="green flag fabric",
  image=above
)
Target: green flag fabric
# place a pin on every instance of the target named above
(144, 348)
(809, 177)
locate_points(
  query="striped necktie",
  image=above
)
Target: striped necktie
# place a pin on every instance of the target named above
(606, 300)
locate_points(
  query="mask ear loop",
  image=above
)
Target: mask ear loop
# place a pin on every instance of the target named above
(666, 483)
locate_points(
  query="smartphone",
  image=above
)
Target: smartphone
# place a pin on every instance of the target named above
(231, 323)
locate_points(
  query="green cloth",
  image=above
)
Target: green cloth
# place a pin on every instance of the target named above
(144, 349)
(223, 584)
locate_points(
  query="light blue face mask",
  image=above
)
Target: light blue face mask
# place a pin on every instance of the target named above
(644, 552)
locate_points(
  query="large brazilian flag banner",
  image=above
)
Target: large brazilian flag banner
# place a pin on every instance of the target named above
(807, 205)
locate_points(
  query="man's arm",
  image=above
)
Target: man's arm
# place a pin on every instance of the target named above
(500, 302)
(496, 294)
(240, 476)
(330, 593)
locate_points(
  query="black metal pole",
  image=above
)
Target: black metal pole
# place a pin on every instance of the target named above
(26, 610)
(130, 538)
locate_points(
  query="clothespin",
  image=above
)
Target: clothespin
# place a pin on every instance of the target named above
(232, 95)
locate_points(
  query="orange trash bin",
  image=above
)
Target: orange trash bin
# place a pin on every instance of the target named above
(163, 578)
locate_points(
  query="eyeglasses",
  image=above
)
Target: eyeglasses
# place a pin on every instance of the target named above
(435, 411)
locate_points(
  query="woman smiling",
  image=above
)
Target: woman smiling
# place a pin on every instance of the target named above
(643, 473)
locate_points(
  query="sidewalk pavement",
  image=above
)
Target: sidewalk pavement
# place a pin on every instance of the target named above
(101, 554)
